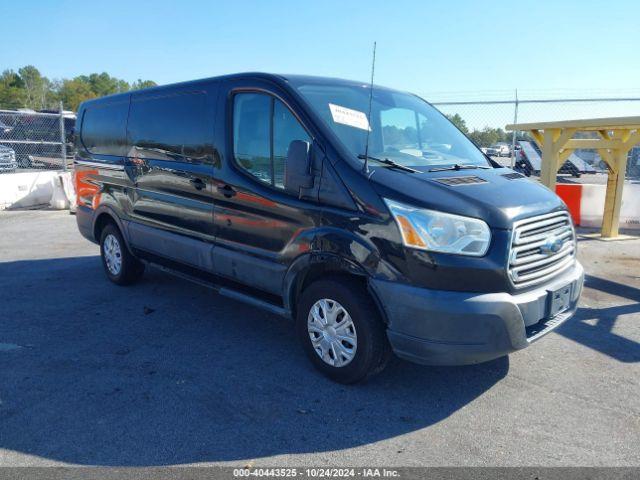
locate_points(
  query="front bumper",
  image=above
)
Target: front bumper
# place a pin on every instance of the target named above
(457, 328)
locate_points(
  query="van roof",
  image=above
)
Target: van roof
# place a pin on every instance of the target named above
(278, 78)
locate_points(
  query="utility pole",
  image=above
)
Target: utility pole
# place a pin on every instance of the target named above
(513, 139)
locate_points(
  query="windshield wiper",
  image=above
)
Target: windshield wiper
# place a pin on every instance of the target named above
(459, 166)
(389, 162)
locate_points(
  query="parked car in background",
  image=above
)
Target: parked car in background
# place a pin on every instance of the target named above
(4, 128)
(7, 159)
(502, 149)
(69, 119)
(35, 136)
(492, 151)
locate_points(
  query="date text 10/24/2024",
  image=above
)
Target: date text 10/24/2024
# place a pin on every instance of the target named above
(317, 472)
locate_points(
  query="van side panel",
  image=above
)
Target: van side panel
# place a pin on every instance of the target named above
(170, 159)
(254, 222)
(252, 237)
(187, 250)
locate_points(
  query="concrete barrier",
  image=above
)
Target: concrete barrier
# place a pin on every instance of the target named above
(593, 206)
(30, 189)
(586, 204)
(63, 197)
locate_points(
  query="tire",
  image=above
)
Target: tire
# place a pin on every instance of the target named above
(369, 348)
(121, 267)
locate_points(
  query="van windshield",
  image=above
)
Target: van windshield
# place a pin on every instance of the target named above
(404, 128)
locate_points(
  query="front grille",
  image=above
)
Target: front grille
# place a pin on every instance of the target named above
(6, 158)
(466, 180)
(541, 248)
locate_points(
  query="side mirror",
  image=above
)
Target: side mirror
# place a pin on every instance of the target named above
(297, 170)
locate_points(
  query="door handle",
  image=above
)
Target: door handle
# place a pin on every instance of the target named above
(227, 191)
(197, 183)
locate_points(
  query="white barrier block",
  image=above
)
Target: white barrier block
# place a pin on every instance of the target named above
(592, 206)
(21, 190)
(69, 189)
(59, 200)
(630, 210)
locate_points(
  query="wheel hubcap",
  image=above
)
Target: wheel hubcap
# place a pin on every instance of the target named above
(332, 332)
(112, 254)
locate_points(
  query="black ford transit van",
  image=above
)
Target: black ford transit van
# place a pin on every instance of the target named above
(374, 233)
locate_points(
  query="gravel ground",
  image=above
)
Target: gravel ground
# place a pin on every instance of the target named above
(168, 373)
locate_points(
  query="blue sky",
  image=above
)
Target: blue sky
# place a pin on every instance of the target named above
(424, 46)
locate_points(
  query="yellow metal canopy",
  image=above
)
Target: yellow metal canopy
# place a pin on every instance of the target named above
(616, 136)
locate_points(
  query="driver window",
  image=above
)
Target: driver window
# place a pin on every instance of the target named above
(263, 129)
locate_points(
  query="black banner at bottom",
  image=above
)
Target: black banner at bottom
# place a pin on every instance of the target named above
(431, 473)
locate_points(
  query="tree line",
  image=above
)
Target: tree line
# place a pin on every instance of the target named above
(487, 136)
(28, 88)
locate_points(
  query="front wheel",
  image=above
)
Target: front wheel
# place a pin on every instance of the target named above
(341, 330)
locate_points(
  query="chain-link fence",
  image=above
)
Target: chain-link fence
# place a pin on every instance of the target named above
(484, 123)
(35, 140)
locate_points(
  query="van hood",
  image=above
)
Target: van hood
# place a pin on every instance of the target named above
(499, 196)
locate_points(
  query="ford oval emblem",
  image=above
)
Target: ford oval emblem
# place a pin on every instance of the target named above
(552, 245)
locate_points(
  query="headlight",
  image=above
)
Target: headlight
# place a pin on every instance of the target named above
(440, 232)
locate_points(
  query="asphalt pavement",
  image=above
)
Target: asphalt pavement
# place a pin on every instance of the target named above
(168, 373)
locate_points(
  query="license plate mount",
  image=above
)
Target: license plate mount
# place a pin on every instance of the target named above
(559, 300)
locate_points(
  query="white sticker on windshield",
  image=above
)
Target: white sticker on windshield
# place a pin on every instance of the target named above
(346, 116)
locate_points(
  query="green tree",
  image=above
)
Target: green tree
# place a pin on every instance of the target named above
(36, 87)
(485, 137)
(139, 84)
(102, 84)
(459, 122)
(74, 92)
(12, 91)
(28, 88)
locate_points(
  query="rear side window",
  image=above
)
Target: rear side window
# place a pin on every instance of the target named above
(104, 128)
(263, 128)
(172, 127)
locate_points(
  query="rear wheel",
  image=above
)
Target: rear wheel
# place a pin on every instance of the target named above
(341, 330)
(121, 267)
